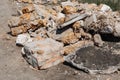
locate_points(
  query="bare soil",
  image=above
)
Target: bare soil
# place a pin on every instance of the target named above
(14, 67)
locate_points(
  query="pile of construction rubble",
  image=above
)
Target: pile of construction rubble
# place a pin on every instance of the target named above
(49, 30)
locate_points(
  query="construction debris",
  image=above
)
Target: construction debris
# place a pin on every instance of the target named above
(97, 40)
(49, 30)
(44, 53)
(81, 44)
(22, 39)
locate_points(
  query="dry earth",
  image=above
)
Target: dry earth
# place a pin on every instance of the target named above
(14, 67)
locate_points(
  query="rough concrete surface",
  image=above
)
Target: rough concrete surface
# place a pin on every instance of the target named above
(14, 67)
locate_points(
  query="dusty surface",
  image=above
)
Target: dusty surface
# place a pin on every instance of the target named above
(97, 59)
(14, 67)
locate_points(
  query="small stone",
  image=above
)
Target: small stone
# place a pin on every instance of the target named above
(60, 15)
(98, 41)
(22, 39)
(76, 25)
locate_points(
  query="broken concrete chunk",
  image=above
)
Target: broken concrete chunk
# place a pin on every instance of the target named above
(97, 40)
(45, 56)
(108, 30)
(29, 16)
(90, 20)
(80, 44)
(82, 23)
(69, 9)
(26, 16)
(105, 8)
(68, 37)
(69, 3)
(61, 20)
(42, 23)
(18, 30)
(76, 25)
(60, 15)
(42, 11)
(91, 6)
(80, 33)
(82, 16)
(22, 39)
(23, 19)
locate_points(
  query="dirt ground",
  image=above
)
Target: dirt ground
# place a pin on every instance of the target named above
(14, 67)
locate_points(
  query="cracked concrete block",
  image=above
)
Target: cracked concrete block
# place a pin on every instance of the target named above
(43, 53)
